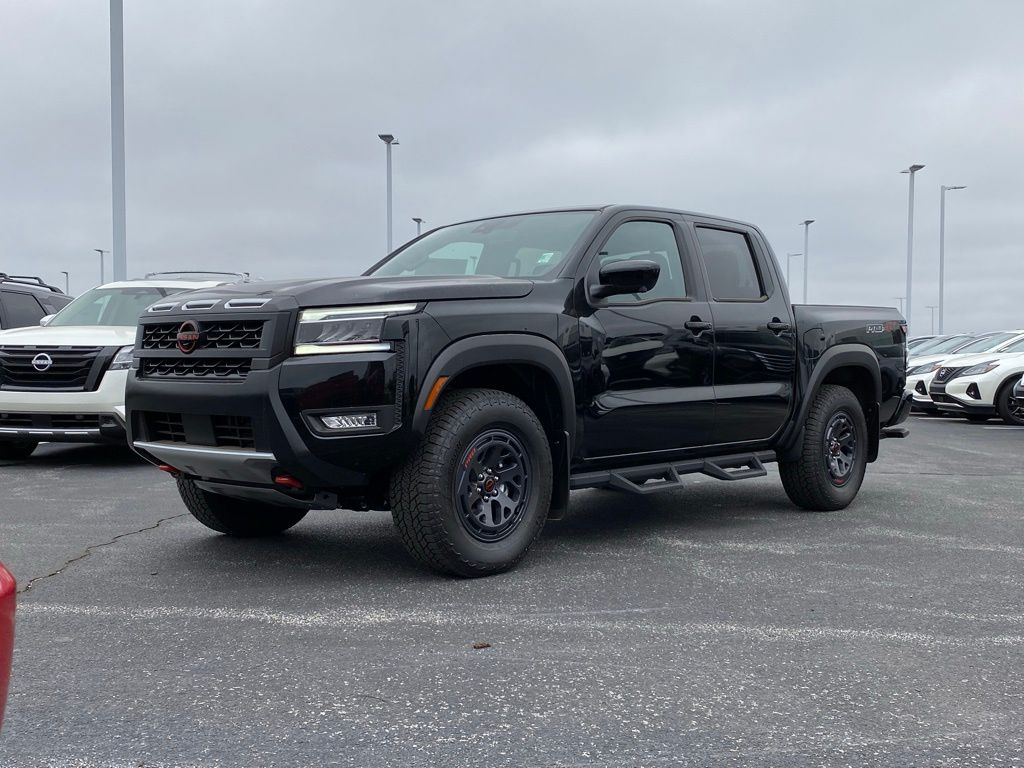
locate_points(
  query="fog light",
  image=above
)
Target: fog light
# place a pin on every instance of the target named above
(350, 421)
(972, 391)
(920, 388)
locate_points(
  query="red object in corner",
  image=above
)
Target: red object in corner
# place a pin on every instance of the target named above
(7, 599)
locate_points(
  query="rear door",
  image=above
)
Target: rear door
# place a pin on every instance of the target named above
(755, 339)
(647, 358)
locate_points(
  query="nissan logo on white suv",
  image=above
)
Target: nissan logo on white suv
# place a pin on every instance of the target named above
(42, 362)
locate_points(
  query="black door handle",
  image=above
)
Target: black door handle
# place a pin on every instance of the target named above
(777, 326)
(696, 325)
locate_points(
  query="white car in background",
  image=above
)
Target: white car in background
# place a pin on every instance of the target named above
(921, 369)
(982, 386)
(65, 381)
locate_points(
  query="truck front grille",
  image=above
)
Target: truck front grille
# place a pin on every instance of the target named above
(165, 426)
(229, 368)
(213, 334)
(195, 429)
(233, 432)
(67, 369)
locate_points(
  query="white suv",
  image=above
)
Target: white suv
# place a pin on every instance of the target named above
(65, 381)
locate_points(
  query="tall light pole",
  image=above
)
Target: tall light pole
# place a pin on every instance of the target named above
(120, 261)
(103, 272)
(910, 241)
(932, 307)
(388, 139)
(419, 224)
(900, 300)
(942, 254)
(789, 259)
(67, 283)
(807, 226)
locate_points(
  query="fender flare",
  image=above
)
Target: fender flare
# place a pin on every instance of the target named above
(499, 348)
(839, 356)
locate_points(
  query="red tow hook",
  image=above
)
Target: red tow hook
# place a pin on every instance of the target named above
(168, 469)
(289, 482)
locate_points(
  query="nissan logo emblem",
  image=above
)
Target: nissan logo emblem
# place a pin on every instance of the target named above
(188, 337)
(42, 362)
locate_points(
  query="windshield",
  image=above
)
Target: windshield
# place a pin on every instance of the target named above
(531, 245)
(947, 344)
(109, 306)
(986, 343)
(1017, 346)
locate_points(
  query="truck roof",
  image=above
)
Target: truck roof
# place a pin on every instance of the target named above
(610, 209)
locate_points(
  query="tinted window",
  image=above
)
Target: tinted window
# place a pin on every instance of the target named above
(21, 309)
(730, 263)
(530, 245)
(650, 241)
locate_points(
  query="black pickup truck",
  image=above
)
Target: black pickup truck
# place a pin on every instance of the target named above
(473, 378)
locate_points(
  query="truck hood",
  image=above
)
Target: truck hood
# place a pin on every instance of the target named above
(70, 336)
(370, 290)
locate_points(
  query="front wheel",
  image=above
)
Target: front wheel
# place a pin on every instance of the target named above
(830, 470)
(475, 494)
(236, 517)
(16, 451)
(1010, 408)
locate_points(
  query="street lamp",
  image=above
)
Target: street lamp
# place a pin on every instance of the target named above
(388, 139)
(119, 262)
(807, 226)
(910, 240)
(419, 224)
(103, 273)
(932, 307)
(789, 259)
(942, 254)
(67, 283)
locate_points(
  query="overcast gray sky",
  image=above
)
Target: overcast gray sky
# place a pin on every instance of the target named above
(252, 131)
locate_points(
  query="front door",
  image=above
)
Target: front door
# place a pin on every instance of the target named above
(647, 358)
(755, 343)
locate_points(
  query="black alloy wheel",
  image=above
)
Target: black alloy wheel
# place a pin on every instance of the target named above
(492, 485)
(840, 448)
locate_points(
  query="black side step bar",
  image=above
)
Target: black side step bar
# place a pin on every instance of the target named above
(660, 477)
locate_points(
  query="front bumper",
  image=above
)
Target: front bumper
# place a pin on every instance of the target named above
(969, 396)
(917, 386)
(282, 405)
(67, 417)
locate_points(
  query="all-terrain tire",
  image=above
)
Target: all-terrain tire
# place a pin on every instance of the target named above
(1007, 407)
(435, 514)
(809, 481)
(236, 517)
(16, 451)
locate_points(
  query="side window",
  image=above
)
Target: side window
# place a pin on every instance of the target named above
(731, 266)
(651, 241)
(22, 309)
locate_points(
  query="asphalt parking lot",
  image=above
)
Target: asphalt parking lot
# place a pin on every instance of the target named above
(715, 625)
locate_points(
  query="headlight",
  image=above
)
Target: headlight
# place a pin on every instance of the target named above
(345, 329)
(918, 370)
(980, 368)
(123, 359)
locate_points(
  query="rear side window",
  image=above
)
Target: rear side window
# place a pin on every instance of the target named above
(732, 268)
(648, 241)
(21, 309)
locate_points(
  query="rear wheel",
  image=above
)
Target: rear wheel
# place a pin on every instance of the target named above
(475, 494)
(1010, 408)
(236, 517)
(21, 449)
(830, 470)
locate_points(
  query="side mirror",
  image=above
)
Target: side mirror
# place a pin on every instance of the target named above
(45, 321)
(619, 277)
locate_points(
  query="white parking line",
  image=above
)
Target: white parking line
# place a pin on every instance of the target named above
(1007, 427)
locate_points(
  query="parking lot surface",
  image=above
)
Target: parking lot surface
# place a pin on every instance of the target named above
(714, 625)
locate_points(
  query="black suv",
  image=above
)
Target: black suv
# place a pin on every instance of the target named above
(25, 300)
(474, 377)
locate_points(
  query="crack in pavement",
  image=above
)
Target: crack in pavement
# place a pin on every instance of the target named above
(92, 548)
